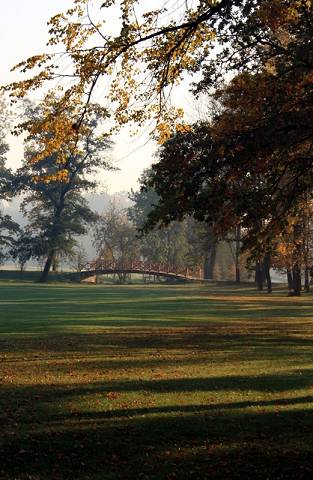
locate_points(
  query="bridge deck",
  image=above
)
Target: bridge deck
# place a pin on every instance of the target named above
(143, 268)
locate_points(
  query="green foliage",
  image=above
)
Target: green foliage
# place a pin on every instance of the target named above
(55, 230)
(25, 247)
(8, 231)
(53, 202)
(8, 228)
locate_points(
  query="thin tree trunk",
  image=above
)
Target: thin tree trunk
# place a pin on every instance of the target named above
(210, 259)
(54, 265)
(238, 279)
(122, 277)
(237, 253)
(297, 256)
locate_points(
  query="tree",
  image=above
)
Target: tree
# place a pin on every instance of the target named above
(24, 247)
(264, 47)
(53, 202)
(178, 245)
(115, 238)
(78, 258)
(54, 230)
(8, 228)
(253, 159)
(166, 45)
(192, 179)
(158, 246)
(202, 247)
(234, 242)
(293, 248)
(142, 39)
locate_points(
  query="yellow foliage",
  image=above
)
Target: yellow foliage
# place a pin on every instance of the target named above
(140, 63)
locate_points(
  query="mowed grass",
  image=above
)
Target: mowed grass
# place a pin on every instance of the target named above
(154, 382)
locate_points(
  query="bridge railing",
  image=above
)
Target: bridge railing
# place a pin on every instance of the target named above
(143, 266)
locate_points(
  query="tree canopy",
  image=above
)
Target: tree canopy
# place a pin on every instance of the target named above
(147, 52)
(251, 163)
(53, 185)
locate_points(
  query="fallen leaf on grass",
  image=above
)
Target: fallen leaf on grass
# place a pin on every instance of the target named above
(112, 395)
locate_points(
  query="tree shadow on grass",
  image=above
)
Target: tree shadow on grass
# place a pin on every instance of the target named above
(209, 410)
(271, 384)
(220, 441)
(158, 348)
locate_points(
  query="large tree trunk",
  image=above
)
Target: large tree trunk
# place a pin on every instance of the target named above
(307, 279)
(296, 274)
(259, 275)
(297, 256)
(44, 275)
(237, 253)
(266, 272)
(289, 279)
(55, 231)
(306, 248)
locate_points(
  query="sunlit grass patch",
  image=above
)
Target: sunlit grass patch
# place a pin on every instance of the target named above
(159, 382)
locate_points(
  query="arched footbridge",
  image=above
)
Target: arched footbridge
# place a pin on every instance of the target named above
(104, 267)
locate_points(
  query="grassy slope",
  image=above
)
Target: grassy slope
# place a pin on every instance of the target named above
(154, 382)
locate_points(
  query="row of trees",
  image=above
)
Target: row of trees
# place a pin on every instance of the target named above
(180, 246)
(58, 213)
(246, 172)
(250, 165)
(186, 244)
(187, 184)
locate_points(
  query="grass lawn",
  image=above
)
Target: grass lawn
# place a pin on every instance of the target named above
(154, 382)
